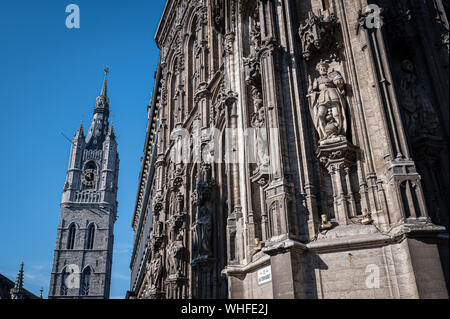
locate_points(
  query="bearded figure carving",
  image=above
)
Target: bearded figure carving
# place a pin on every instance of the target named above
(327, 94)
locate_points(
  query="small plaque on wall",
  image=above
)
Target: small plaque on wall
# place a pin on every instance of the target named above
(265, 275)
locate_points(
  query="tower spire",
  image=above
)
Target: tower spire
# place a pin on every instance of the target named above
(99, 126)
(104, 92)
(19, 280)
(80, 132)
(17, 292)
(102, 102)
(111, 133)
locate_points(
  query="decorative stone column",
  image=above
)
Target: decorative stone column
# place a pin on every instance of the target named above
(338, 157)
(278, 192)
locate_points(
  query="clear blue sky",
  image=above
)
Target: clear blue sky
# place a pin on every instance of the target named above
(50, 77)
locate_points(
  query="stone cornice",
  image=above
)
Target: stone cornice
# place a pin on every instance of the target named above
(367, 241)
(148, 149)
(283, 246)
(101, 205)
(396, 235)
(161, 25)
(237, 270)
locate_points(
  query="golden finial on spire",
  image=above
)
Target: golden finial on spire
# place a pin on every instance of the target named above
(106, 71)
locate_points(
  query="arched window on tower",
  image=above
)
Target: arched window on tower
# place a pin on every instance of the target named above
(90, 235)
(71, 237)
(85, 282)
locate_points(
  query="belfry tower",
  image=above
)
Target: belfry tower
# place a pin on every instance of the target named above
(84, 245)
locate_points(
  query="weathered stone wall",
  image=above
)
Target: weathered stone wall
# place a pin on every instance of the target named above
(352, 274)
(99, 258)
(344, 274)
(346, 125)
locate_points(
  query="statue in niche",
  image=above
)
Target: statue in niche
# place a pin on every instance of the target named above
(255, 33)
(179, 106)
(259, 123)
(419, 115)
(198, 50)
(176, 255)
(101, 102)
(327, 94)
(252, 63)
(219, 16)
(195, 79)
(203, 227)
(275, 221)
(172, 229)
(180, 204)
(156, 271)
(203, 232)
(158, 231)
(178, 150)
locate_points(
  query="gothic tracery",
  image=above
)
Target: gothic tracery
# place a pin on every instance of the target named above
(328, 158)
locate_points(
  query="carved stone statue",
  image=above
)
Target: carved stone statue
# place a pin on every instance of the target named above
(258, 122)
(252, 62)
(327, 94)
(156, 271)
(203, 226)
(179, 150)
(419, 115)
(228, 42)
(180, 204)
(179, 105)
(101, 102)
(158, 230)
(255, 33)
(176, 255)
(197, 67)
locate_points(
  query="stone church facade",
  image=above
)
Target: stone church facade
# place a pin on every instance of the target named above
(85, 237)
(296, 149)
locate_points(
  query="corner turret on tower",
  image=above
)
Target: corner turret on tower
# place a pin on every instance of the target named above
(18, 292)
(111, 134)
(80, 133)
